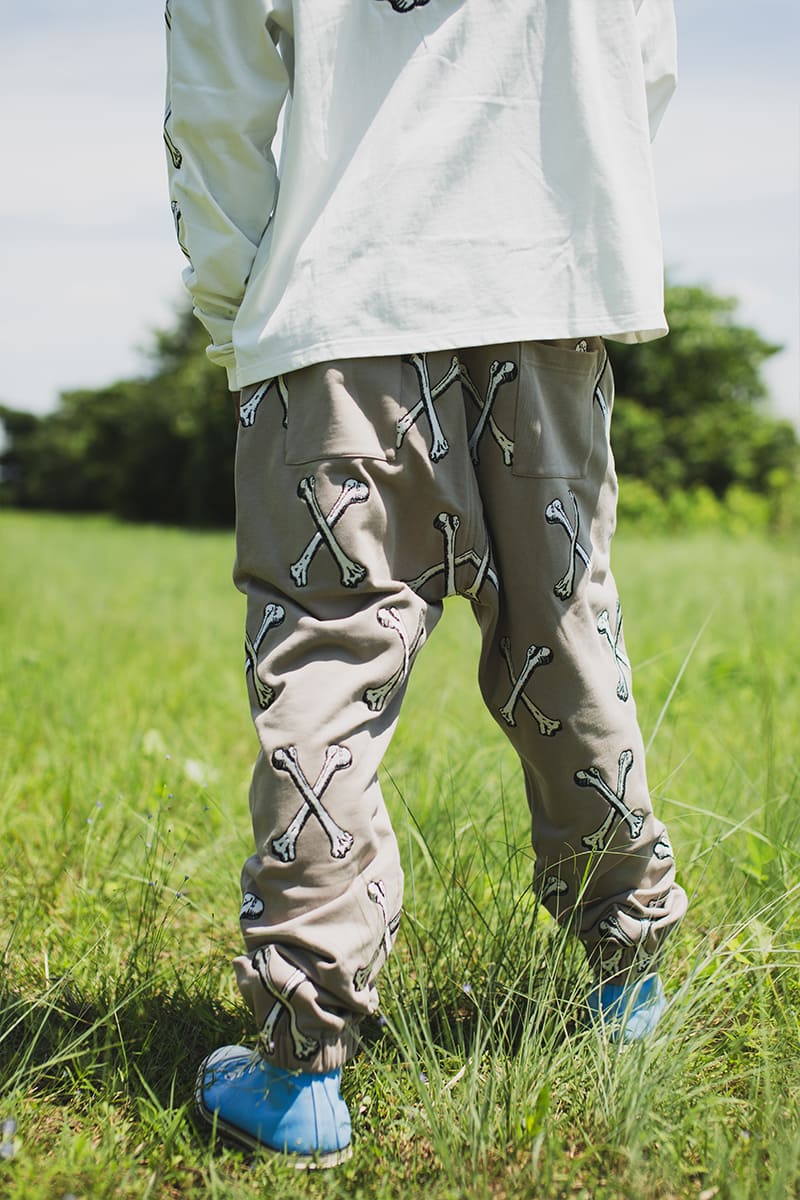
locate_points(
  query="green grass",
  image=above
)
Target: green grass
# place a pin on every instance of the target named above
(126, 753)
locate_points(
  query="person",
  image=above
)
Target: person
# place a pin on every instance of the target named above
(414, 308)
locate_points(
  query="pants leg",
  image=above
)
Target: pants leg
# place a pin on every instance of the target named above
(342, 534)
(553, 670)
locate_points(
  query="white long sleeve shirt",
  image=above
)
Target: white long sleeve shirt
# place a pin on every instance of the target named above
(452, 173)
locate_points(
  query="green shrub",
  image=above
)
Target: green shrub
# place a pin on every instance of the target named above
(739, 512)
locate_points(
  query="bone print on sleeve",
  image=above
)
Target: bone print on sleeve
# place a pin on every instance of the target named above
(179, 233)
(353, 491)
(174, 153)
(337, 758)
(404, 6)
(274, 615)
(555, 515)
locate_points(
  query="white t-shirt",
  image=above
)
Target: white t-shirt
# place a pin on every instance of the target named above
(452, 173)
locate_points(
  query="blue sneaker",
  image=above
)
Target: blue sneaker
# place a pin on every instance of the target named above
(629, 1012)
(297, 1114)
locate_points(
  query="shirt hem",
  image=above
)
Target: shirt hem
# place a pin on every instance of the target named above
(266, 365)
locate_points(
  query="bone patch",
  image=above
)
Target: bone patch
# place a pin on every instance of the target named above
(375, 698)
(304, 1046)
(428, 395)
(174, 152)
(352, 491)
(273, 616)
(554, 514)
(337, 758)
(617, 807)
(535, 656)
(249, 410)
(612, 636)
(499, 374)
(252, 907)
(448, 525)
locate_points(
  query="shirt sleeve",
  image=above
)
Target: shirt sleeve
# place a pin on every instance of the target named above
(658, 40)
(226, 85)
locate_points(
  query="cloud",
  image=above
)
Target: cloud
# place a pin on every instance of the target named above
(89, 257)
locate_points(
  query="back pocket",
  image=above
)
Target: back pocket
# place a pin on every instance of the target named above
(553, 426)
(343, 409)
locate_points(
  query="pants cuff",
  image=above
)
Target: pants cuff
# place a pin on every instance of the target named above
(330, 1054)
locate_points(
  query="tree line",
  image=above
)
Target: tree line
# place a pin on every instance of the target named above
(690, 414)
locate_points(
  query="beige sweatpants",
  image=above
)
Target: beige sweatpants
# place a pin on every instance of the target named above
(367, 490)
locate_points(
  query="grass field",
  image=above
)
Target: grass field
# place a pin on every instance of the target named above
(126, 752)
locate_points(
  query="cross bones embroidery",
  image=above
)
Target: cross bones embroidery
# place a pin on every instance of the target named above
(247, 411)
(612, 963)
(448, 524)
(611, 930)
(613, 639)
(375, 698)
(304, 1047)
(174, 152)
(428, 395)
(499, 373)
(592, 778)
(554, 515)
(601, 403)
(535, 656)
(252, 907)
(353, 491)
(609, 927)
(273, 616)
(377, 894)
(177, 217)
(553, 886)
(599, 398)
(662, 849)
(337, 758)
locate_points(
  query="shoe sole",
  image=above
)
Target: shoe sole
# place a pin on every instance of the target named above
(301, 1162)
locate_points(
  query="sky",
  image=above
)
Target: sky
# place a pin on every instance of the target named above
(88, 259)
